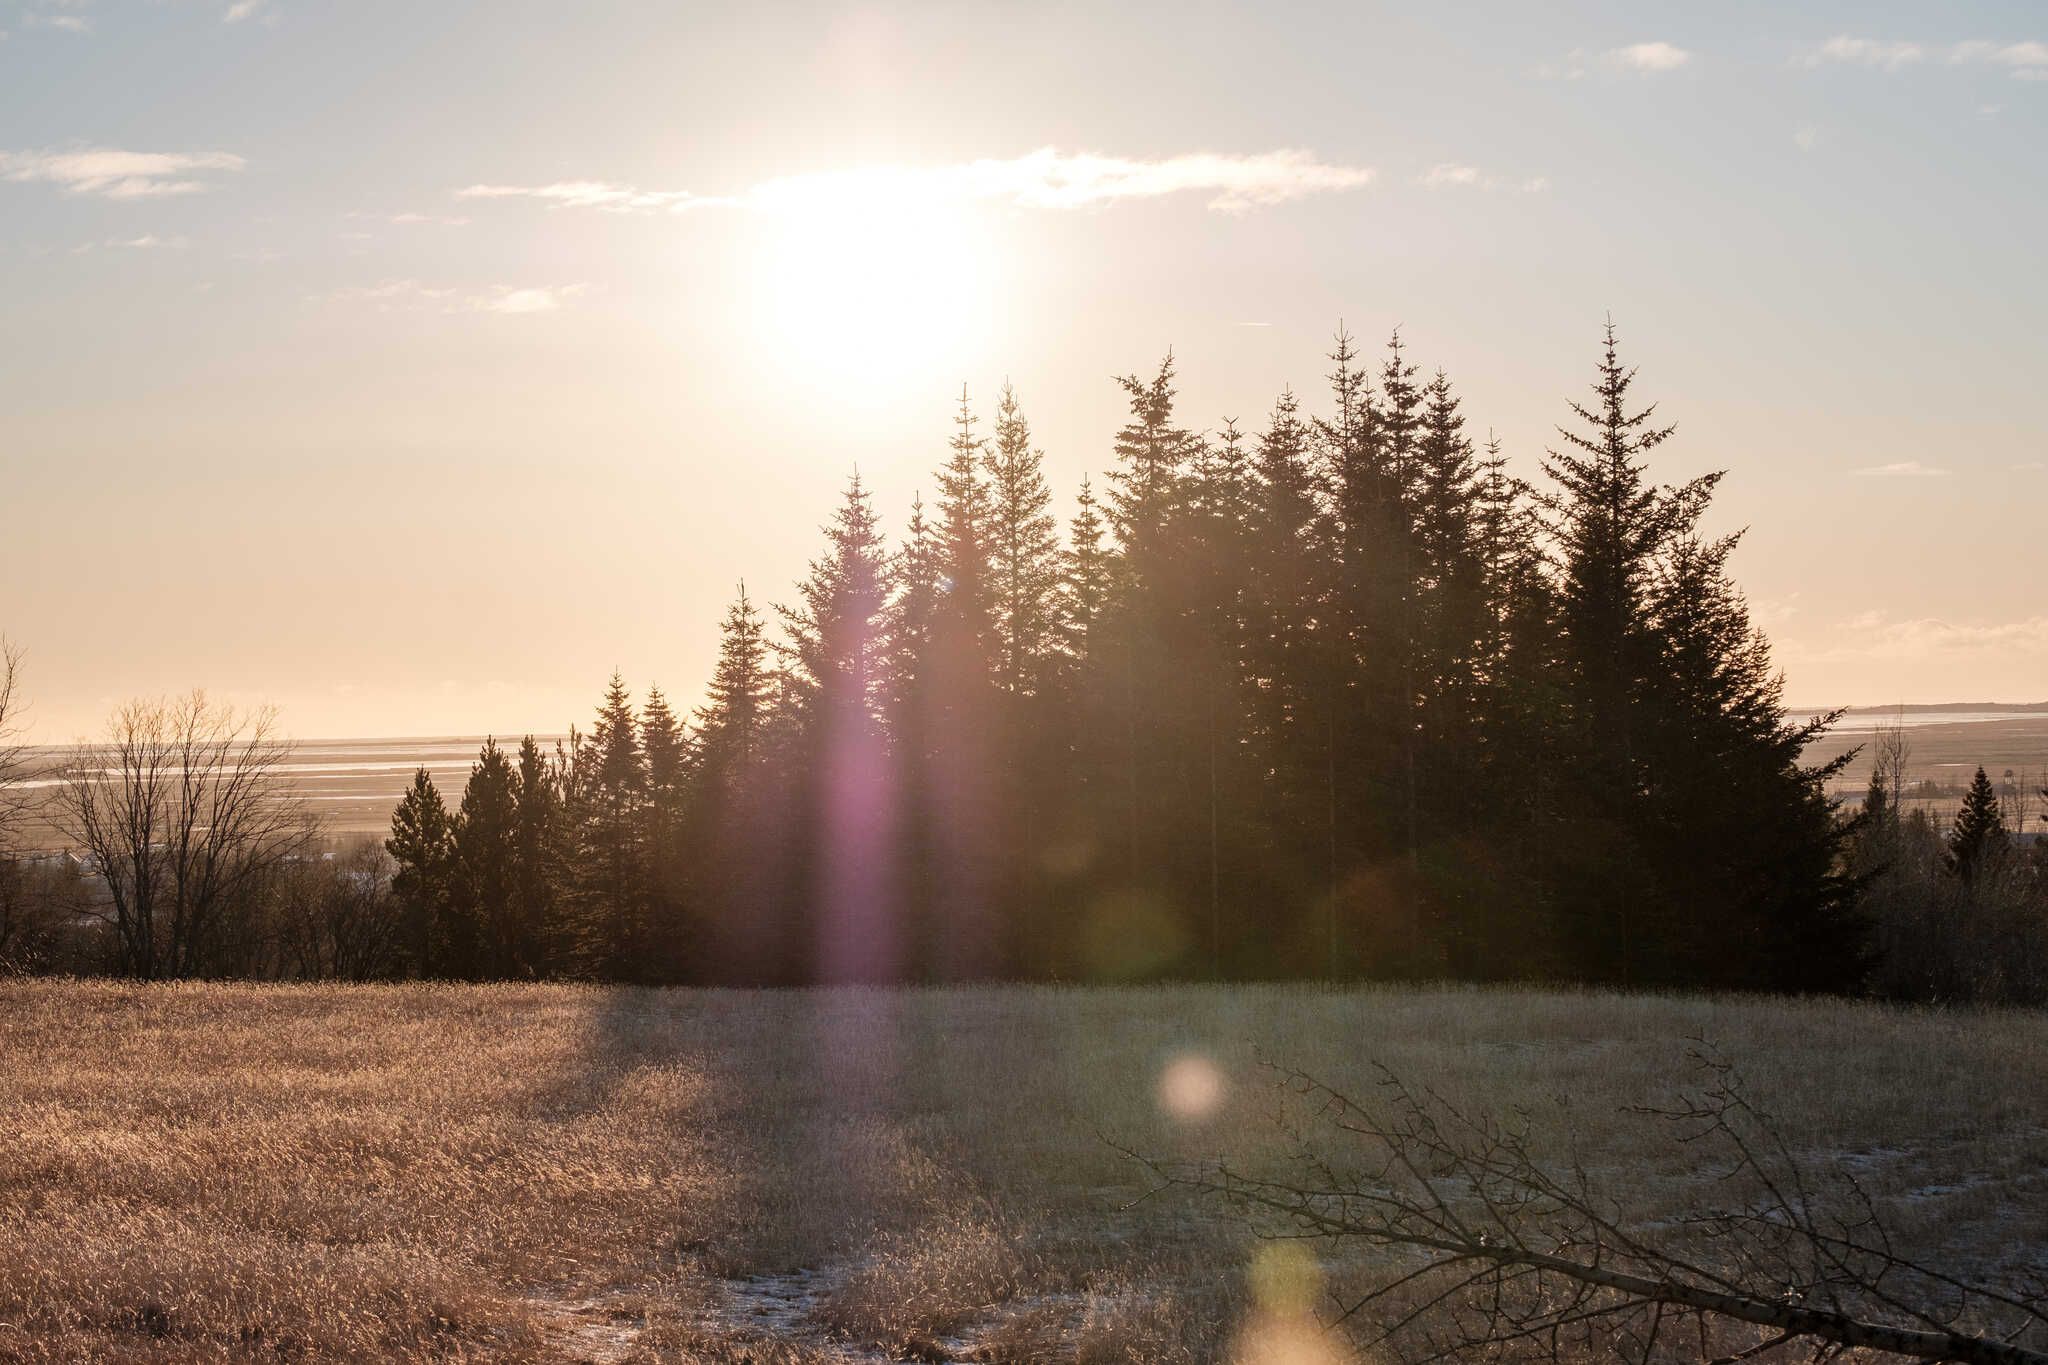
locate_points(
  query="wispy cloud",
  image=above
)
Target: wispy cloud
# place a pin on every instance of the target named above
(594, 194)
(1647, 57)
(2023, 60)
(2026, 61)
(1874, 634)
(408, 295)
(1885, 54)
(2029, 466)
(63, 23)
(114, 174)
(243, 9)
(505, 299)
(1044, 179)
(1446, 174)
(1451, 175)
(1902, 469)
(410, 219)
(1806, 137)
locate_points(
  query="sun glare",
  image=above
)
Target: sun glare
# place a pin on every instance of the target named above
(865, 278)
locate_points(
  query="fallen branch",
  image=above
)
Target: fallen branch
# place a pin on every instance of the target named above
(1518, 1255)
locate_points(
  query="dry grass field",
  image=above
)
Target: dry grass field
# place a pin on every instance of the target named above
(556, 1173)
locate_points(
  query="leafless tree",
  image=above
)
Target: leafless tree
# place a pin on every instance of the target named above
(1501, 1255)
(14, 758)
(1890, 751)
(337, 917)
(183, 814)
(26, 913)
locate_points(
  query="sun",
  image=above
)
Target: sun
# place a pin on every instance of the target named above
(867, 279)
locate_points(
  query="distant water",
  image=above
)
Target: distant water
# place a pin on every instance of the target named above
(1869, 722)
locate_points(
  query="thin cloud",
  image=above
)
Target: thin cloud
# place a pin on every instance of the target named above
(1649, 58)
(1447, 175)
(242, 9)
(63, 23)
(409, 295)
(592, 194)
(1902, 469)
(114, 174)
(2029, 466)
(1806, 137)
(1451, 175)
(1883, 54)
(1876, 635)
(505, 299)
(1044, 179)
(2027, 61)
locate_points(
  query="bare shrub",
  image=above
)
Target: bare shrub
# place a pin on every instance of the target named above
(335, 917)
(183, 814)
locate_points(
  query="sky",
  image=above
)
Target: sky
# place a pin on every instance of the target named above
(411, 366)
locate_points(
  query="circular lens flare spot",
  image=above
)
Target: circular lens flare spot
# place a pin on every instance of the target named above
(1190, 1088)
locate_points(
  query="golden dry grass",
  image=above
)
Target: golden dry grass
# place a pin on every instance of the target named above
(237, 1172)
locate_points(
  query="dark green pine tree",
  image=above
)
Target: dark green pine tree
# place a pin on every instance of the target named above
(734, 829)
(835, 688)
(1024, 549)
(955, 825)
(1609, 524)
(731, 722)
(1748, 846)
(484, 939)
(964, 629)
(1085, 580)
(423, 849)
(668, 759)
(611, 882)
(1287, 665)
(538, 861)
(1451, 611)
(1142, 688)
(913, 617)
(1978, 838)
(838, 641)
(1032, 727)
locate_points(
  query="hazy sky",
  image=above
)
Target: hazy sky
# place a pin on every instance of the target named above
(410, 365)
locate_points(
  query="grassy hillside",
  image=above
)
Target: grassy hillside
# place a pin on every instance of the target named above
(546, 1172)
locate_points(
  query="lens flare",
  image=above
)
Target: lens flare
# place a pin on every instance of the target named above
(1191, 1088)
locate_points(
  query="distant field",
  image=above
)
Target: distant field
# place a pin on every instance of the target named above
(1946, 749)
(353, 783)
(212, 1172)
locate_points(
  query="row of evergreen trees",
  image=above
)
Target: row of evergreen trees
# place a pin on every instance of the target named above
(1339, 697)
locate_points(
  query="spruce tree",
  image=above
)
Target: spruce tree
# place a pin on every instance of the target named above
(1085, 579)
(668, 761)
(485, 938)
(730, 723)
(422, 846)
(538, 859)
(838, 635)
(611, 881)
(1286, 649)
(835, 688)
(1610, 523)
(1025, 553)
(1978, 838)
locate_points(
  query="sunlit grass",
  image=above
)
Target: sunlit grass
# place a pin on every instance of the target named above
(201, 1172)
